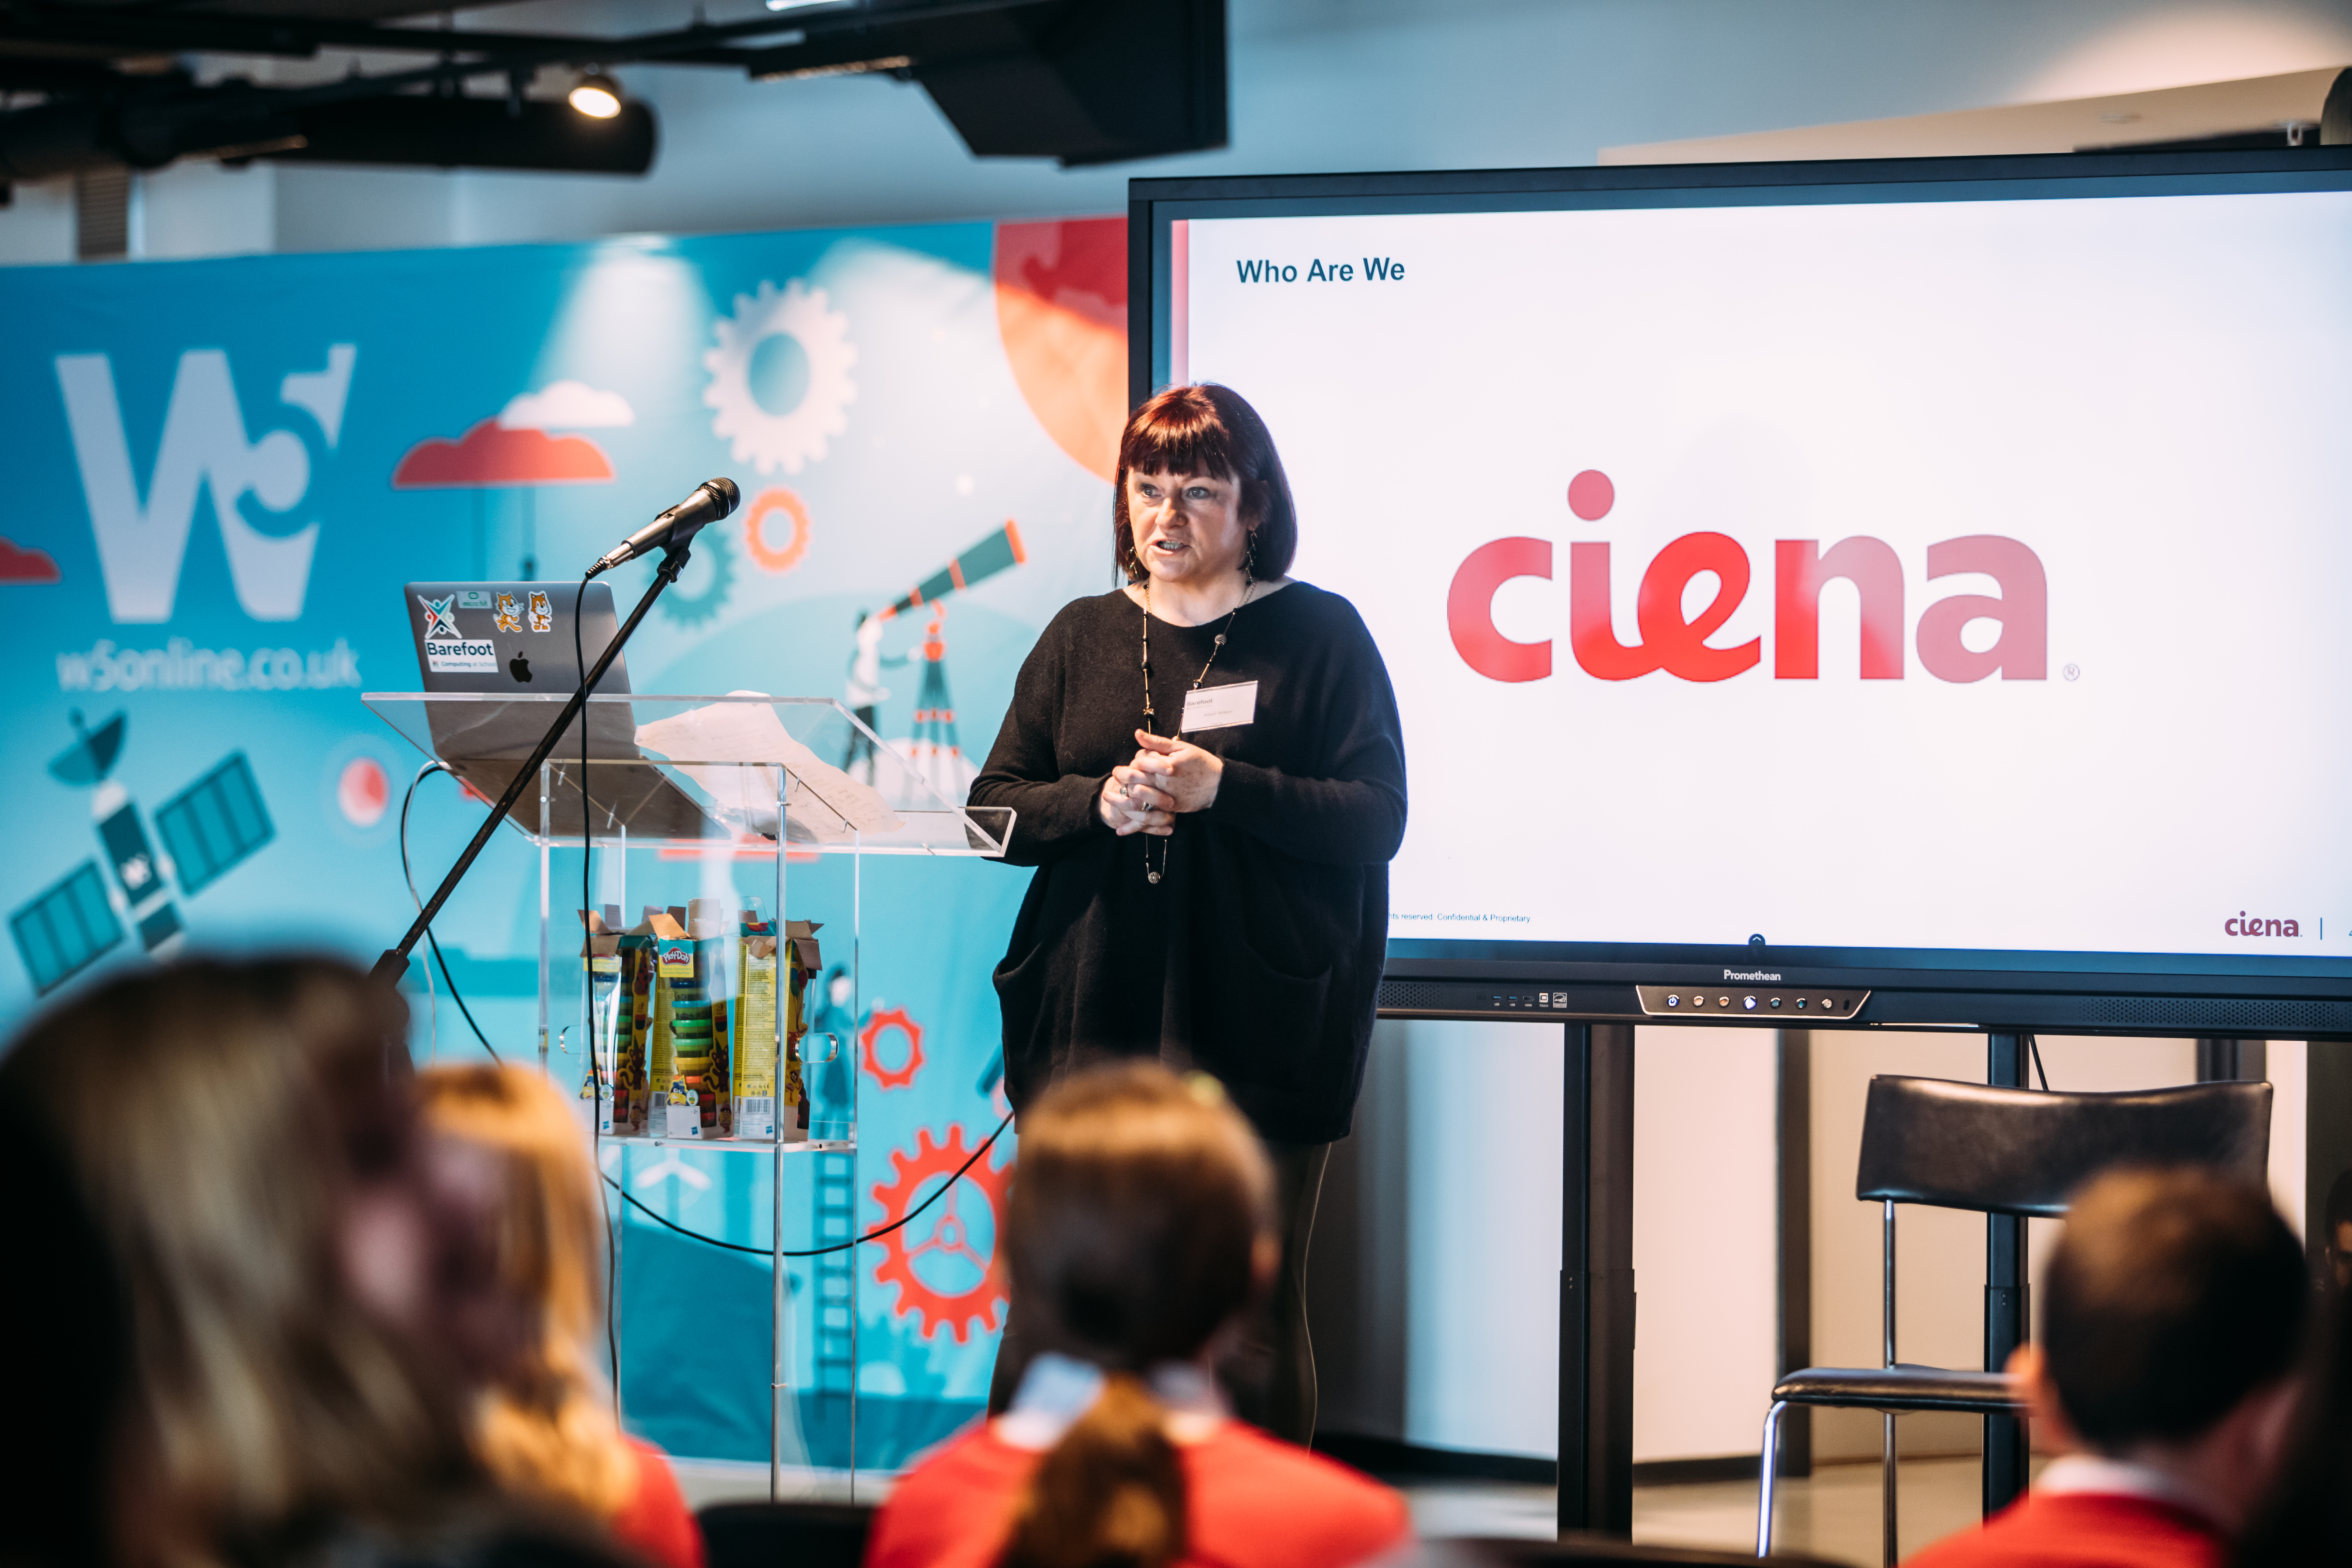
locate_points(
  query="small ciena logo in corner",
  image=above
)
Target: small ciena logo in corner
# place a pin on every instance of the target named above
(2244, 924)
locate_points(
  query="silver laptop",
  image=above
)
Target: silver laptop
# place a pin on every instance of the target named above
(516, 638)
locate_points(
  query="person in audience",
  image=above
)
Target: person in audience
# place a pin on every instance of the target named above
(243, 1135)
(63, 1308)
(2307, 1523)
(1141, 1232)
(544, 1424)
(2172, 1309)
(2338, 1242)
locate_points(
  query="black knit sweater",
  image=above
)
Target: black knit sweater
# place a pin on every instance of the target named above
(1257, 955)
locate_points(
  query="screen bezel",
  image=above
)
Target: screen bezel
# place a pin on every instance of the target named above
(2134, 992)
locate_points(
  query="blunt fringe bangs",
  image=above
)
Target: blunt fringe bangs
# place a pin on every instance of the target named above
(1208, 429)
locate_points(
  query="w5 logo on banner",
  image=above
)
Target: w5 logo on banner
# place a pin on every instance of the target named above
(1800, 569)
(140, 546)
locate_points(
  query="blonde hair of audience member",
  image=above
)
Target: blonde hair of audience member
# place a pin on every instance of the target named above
(1141, 1224)
(544, 1426)
(240, 1139)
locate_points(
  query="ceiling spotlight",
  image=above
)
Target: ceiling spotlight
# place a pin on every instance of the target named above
(597, 96)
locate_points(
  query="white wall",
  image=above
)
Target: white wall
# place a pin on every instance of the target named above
(1705, 1239)
(1482, 1279)
(1317, 85)
(1468, 1237)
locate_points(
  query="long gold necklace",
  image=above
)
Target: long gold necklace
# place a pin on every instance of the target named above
(1249, 586)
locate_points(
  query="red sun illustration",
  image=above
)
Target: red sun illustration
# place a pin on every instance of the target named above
(489, 454)
(1061, 306)
(364, 792)
(19, 564)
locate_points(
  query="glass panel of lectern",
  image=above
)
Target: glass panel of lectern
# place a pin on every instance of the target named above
(704, 1023)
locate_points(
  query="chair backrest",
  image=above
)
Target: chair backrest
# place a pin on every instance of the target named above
(785, 1534)
(1582, 1551)
(2015, 1150)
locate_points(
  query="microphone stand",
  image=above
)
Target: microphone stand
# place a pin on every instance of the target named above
(394, 962)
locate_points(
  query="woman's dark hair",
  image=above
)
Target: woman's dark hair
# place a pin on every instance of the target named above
(1138, 1208)
(1208, 429)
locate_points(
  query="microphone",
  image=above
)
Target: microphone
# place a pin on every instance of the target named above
(711, 499)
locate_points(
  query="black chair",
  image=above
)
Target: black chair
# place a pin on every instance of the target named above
(2001, 1150)
(785, 1534)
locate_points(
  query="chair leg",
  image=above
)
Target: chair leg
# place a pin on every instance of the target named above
(1769, 1472)
(1887, 1480)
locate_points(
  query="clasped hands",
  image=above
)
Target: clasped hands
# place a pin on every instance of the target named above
(1168, 777)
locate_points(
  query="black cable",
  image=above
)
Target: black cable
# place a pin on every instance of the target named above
(840, 1246)
(620, 982)
(436, 767)
(2035, 1047)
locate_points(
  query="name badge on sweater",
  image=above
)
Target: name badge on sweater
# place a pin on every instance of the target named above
(1220, 707)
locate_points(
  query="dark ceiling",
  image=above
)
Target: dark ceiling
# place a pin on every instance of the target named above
(1082, 82)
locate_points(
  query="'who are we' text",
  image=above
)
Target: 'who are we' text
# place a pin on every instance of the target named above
(1369, 269)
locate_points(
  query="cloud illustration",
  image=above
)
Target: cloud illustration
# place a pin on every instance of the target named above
(19, 564)
(567, 405)
(487, 456)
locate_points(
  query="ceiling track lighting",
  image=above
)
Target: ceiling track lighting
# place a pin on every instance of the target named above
(597, 96)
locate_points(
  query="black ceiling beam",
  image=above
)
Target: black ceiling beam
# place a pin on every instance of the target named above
(148, 129)
(717, 44)
(1084, 81)
(475, 133)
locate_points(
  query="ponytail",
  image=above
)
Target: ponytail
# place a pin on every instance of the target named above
(1109, 1495)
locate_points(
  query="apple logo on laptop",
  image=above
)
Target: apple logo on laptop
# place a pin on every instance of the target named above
(518, 667)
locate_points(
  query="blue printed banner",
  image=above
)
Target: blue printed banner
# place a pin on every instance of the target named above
(221, 473)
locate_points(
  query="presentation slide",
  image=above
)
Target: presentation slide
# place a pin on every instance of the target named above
(1967, 575)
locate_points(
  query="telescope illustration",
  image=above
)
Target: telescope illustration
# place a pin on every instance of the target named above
(998, 552)
(933, 748)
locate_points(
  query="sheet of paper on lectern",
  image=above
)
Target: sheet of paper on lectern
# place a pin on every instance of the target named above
(820, 800)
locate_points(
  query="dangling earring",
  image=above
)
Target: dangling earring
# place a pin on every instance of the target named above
(1249, 557)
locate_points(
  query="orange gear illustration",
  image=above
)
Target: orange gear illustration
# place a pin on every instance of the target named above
(891, 1018)
(776, 558)
(947, 1235)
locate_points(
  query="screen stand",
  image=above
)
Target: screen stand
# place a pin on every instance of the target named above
(2006, 1454)
(1596, 1281)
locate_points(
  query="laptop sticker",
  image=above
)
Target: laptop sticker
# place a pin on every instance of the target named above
(440, 619)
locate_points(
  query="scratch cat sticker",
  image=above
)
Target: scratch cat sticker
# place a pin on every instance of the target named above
(542, 613)
(509, 614)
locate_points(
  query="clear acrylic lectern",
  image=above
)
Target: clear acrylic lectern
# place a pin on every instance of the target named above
(701, 1015)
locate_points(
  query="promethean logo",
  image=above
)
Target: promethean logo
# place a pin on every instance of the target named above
(1749, 974)
(1800, 569)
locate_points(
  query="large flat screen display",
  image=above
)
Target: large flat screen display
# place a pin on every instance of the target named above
(1934, 577)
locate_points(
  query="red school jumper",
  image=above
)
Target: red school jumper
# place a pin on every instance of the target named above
(1254, 1502)
(655, 1522)
(2081, 1530)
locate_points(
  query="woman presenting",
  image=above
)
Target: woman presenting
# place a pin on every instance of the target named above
(1209, 779)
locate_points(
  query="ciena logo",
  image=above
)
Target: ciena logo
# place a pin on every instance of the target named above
(2255, 925)
(1800, 569)
(140, 546)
